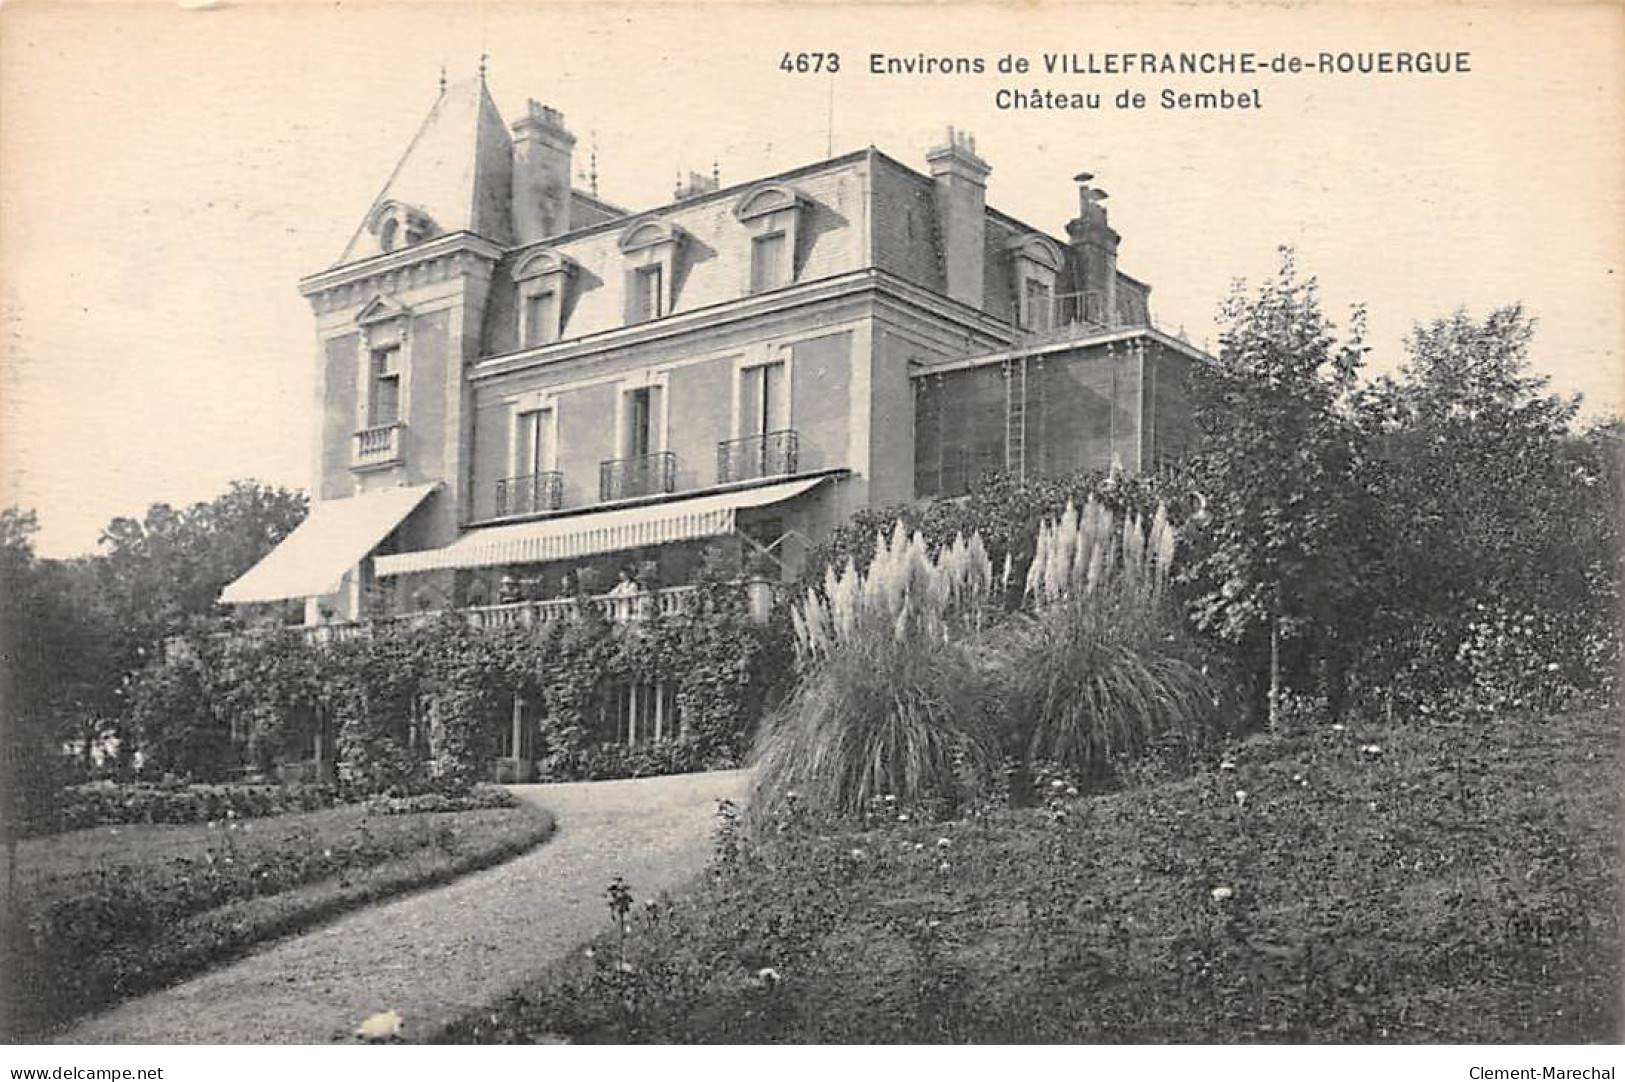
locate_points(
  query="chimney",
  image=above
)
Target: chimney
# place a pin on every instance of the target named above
(1094, 255)
(961, 195)
(696, 184)
(541, 174)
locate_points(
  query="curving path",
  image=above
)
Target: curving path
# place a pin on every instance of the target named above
(438, 953)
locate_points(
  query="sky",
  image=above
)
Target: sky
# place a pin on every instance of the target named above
(171, 172)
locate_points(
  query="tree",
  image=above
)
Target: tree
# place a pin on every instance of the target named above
(1490, 496)
(169, 567)
(1278, 548)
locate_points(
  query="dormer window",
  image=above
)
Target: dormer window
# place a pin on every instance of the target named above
(397, 226)
(767, 262)
(653, 252)
(771, 215)
(544, 278)
(648, 294)
(1035, 267)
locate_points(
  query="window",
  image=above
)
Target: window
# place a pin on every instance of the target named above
(641, 713)
(648, 298)
(762, 400)
(1037, 306)
(1036, 265)
(541, 318)
(534, 452)
(384, 399)
(767, 270)
(772, 216)
(639, 422)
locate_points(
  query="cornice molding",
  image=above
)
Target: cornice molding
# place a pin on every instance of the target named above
(874, 283)
(450, 256)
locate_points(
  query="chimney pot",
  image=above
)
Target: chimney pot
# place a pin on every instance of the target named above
(542, 173)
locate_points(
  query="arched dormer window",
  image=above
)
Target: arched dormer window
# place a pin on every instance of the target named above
(653, 251)
(771, 215)
(398, 225)
(1036, 263)
(544, 277)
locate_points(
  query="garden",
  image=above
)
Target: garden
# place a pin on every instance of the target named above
(1326, 883)
(102, 913)
(1312, 738)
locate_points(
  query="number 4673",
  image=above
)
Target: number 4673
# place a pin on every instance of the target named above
(808, 63)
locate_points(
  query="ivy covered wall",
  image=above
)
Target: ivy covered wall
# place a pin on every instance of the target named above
(420, 705)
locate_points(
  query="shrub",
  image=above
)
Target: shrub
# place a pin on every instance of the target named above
(1099, 669)
(604, 762)
(476, 798)
(894, 699)
(110, 804)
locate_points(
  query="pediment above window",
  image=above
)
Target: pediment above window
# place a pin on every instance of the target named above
(767, 199)
(1039, 249)
(544, 261)
(649, 233)
(399, 225)
(381, 309)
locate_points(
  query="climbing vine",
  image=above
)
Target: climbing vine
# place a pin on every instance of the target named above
(426, 705)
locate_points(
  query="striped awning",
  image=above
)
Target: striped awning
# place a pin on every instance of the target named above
(335, 536)
(575, 536)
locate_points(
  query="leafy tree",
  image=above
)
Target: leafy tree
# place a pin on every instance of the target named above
(50, 651)
(168, 567)
(1489, 495)
(1278, 551)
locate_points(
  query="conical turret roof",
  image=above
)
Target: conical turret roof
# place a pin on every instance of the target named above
(458, 170)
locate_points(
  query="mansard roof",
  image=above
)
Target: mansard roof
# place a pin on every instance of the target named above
(458, 171)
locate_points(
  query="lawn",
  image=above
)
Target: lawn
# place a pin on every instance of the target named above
(1435, 882)
(109, 912)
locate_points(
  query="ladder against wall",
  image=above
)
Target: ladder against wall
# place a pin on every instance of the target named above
(1015, 416)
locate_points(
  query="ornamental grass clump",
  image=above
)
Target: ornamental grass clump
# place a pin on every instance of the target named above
(894, 697)
(1097, 666)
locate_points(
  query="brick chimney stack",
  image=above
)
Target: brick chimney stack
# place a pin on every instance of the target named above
(1094, 247)
(542, 148)
(961, 196)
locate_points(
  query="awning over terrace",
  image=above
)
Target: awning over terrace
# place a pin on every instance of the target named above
(574, 536)
(335, 536)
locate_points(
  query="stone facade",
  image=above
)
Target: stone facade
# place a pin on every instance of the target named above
(541, 353)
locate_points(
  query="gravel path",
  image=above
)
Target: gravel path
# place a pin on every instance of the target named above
(435, 954)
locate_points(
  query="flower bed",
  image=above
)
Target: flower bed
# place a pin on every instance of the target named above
(106, 803)
(105, 913)
(1421, 882)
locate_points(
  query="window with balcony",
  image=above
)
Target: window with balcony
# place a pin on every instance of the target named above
(382, 364)
(535, 483)
(643, 467)
(384, 395)
(764, 444)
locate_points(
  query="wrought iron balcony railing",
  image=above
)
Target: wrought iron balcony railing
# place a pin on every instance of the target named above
(643, 475)
(766, 455)
(531, 493)
(379, 445)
